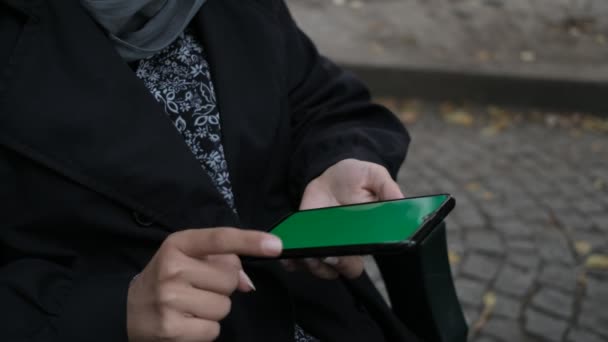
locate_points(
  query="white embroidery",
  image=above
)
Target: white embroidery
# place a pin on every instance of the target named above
(179, 79)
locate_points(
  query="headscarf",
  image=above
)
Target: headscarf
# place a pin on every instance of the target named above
(141, 28)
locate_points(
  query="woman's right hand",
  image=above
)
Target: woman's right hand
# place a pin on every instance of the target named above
(183, 293)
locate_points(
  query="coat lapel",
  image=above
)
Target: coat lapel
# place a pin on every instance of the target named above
(72, 104)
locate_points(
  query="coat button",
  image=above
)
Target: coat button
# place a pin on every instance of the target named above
(142, 219)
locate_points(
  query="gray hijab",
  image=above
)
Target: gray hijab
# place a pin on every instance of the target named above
(141, 28)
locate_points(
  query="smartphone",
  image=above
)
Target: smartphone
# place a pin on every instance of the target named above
(359, 229)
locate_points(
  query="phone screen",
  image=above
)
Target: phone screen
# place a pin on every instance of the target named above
(361, 224)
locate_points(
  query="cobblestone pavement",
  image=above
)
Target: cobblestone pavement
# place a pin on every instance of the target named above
(528, 239)
(542, 38)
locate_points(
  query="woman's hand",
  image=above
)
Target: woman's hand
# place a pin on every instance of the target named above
(348, 182)
(183, 292)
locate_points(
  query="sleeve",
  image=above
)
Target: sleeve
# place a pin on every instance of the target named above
(332, 116)
(44, 301)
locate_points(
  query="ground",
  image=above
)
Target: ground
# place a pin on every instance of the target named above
(547, 39)
(528, 239)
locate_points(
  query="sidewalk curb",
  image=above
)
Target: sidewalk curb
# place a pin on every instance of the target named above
(550, 94)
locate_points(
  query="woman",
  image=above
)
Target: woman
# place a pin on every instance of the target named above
(126, 127)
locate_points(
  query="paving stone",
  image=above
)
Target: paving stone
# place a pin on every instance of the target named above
(597, 240)
(555, 302)
(600, 221)
(572, 220)
(552, 251)
(518, 245)
(589, 206)
(504, 330)
(583, 335)
(560, 277)
(513, 229)
(514, 281)
(470, 218)
(540, 324)
(497, 211)
(481, 266)
(485, 241)
(597, 290)
(470, 292)
(534, 255)
(507, 307)
(594, 316)
(523, 260)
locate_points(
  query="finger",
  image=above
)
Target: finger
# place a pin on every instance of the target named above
(319, 269)
(200, 243)
(202, 274)
(177, 327)
(231, 261)
(383, 185)
(194, 302)
(350, 267)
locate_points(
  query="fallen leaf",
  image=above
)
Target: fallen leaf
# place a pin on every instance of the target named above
(599, 184)
(527, 56)
(459, 118)
(484, 56)
(488, 195)
(597, 262)
(489, 302)
(473, 186)
(409, 117)
(453, 257)
(582, 247)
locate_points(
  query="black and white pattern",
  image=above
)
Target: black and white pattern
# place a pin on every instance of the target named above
(178, 77)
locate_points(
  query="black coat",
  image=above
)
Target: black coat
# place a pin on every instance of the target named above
(94, 175)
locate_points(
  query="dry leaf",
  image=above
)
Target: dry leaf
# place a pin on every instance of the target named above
(597, 262)
(459, 118)
(527, 56)
(409, 117)
(582, 247)
(489, 302)
(453, 257)
(473, 186)
(484, 56)
(488, 195)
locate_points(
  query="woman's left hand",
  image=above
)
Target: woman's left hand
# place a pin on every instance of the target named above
(349, 181)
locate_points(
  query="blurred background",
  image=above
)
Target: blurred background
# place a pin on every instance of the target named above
(507, 104)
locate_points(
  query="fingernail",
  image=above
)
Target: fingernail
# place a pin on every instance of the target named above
(246, 278)
(272, 245)
(334, 261)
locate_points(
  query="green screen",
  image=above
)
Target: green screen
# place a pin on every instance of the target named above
(370, 223)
